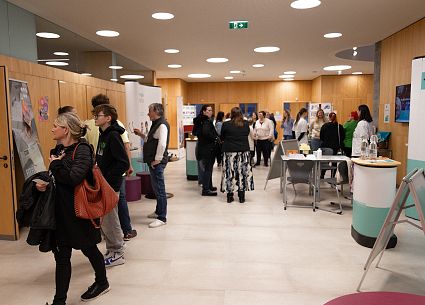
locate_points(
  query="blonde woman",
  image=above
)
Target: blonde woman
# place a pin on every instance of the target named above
(70, 163)
(315, 127)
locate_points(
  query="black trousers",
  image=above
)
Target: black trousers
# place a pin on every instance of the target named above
(63, 269)
(207, 170)
(263, 147)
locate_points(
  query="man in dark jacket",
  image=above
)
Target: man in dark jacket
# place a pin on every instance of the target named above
(113, 161)
(206, 148)
(155, 155)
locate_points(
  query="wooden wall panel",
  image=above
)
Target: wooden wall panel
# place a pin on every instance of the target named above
(72, 94)
(397, 53)
(118, 100)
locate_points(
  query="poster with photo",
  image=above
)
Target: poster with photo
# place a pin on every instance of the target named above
(43, 109)
(180, 129)
(24, 129)
(189, 113)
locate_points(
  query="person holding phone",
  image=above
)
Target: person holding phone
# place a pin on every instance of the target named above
(155, 154)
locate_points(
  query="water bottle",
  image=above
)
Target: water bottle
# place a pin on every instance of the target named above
(363, 149)
(373, 148)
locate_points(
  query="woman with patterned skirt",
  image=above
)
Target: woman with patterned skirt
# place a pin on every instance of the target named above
(237, 172)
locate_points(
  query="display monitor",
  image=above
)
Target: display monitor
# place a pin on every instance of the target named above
(402, 103)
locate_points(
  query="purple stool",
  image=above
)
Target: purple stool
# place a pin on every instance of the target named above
(145, 181)
(378, 298)
(133, 188)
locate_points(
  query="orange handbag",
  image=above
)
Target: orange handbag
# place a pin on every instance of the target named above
(94, 201)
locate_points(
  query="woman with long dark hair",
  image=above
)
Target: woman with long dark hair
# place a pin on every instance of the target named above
(70, 163)
(237, 172)
(287, 125)
(363, 129)
(301, 127)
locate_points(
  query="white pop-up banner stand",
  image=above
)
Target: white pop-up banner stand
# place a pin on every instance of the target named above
(138, 99)
(180, 129)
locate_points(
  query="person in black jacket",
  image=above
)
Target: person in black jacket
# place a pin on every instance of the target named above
(237, 172)
(206, 148)
(70, 165)
(113, 162)
(332, 136)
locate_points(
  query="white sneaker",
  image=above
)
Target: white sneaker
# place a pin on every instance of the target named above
(153, 215)
(157, 223)
(114, 260)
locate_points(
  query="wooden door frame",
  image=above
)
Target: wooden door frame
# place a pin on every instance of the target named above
(10, 157)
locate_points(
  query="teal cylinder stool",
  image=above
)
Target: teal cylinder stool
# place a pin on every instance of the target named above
(191, 163)
(374, 189)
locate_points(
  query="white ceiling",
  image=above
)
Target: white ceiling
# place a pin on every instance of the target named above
(200, 30)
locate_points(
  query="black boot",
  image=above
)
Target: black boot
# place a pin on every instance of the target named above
(241, 195)
(230, 197)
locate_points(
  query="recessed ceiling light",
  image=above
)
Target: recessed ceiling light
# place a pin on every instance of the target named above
(339, 72)
(289, 72)
(107, 33)
(228, 77)
(235, 71)
(86, 74)
(305, 4)
(199, 75)
(171, 51)
(217, 59)
(288, 79)
(62, 82)
(258, 65)
(354, 53)
(162, 16)
(332, 35)
(47, 35)
(54, 59)
(56, 63)
(114, 79)
(266, 49)
(286, 76)
(132, 76)
(357, 73)
(60, 53)
(174, 66)
(354, 48)
(115, 67)
(337, 68)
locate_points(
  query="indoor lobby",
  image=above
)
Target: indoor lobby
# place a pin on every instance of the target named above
(275, 56)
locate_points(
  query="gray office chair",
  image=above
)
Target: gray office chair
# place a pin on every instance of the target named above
(301, 171)
(343, 172)
(327, 165)
(289, 145)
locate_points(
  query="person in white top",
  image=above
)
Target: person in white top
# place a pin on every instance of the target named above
(264, 134)
(315, 127)
(301, 127)
(363, 129)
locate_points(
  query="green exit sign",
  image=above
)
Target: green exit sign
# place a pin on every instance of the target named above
(238, 25)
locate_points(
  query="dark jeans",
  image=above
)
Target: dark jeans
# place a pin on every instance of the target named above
(200, 172)
(206, 166)
(263, 146)
(348, 151)
(288, 137)
(315, 144)
(123, 212)
(158, 185)
(63, 269)
(219, 157)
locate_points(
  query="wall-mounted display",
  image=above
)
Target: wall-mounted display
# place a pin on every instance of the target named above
(402, 104)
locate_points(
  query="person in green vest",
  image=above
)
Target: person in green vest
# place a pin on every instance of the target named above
(349, 127)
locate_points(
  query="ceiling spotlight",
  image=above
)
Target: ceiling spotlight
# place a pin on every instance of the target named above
(332, 35)
(354, 48)
(56, 63)
(162, 16)
(171, 51)
(107, 33)
(132, 76)
(266, 49)
(305, 4)
(357, 73)
(228, 77)
(114, 79)
(115, 67)
(86, 74)
(286, 76)
(289, 72)
(337, 68)
(174, 66)
(235, 72)
(47, 35)
(199, 75)
(217, 59)
(60, 53)
(54, 59)
(339, 72)
(354, 53)
(258, 65)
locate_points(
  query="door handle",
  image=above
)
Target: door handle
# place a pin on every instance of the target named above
(3, 158)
